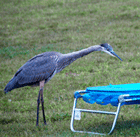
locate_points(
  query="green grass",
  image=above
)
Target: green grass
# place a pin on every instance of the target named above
(31, 27)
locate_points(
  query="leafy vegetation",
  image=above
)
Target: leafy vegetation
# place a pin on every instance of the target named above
(31, 27)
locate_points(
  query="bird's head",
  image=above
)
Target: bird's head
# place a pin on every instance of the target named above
(108, 49)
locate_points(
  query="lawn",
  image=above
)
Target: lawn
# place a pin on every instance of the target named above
(30, 27)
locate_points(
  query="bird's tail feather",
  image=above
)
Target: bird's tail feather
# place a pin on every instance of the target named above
(11, 85)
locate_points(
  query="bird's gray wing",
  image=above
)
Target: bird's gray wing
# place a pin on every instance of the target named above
(40, 67)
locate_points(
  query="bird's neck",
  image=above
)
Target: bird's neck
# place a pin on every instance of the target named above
(83, 52)
(68, 58)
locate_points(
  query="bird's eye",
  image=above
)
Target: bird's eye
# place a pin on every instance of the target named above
(108, 48)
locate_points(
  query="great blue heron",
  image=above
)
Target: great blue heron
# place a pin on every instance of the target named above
(41, 68)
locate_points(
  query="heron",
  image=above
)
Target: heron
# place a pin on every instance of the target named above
(41, 68)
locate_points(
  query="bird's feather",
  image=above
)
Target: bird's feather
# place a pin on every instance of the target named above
(39, 68)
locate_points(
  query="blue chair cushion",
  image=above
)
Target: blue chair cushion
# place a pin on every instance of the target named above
(105, 95)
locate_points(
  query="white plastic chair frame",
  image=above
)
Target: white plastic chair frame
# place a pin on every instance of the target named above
(121, 99)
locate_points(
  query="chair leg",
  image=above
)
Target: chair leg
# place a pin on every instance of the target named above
(94, 111)
(73, 114)
(73, 117)
(115, 119)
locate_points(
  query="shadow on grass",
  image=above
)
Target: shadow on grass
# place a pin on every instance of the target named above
(128, 124)
(5, 121)
(105, 127)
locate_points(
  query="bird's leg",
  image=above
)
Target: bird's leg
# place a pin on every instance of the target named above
(38, 103)
(42, 100)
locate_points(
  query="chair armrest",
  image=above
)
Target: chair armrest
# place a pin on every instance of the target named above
(77, 94)
(129, 97)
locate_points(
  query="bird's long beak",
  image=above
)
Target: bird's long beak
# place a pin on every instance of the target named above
(113, 53)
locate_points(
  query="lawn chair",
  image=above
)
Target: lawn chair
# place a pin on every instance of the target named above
(116, 95)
